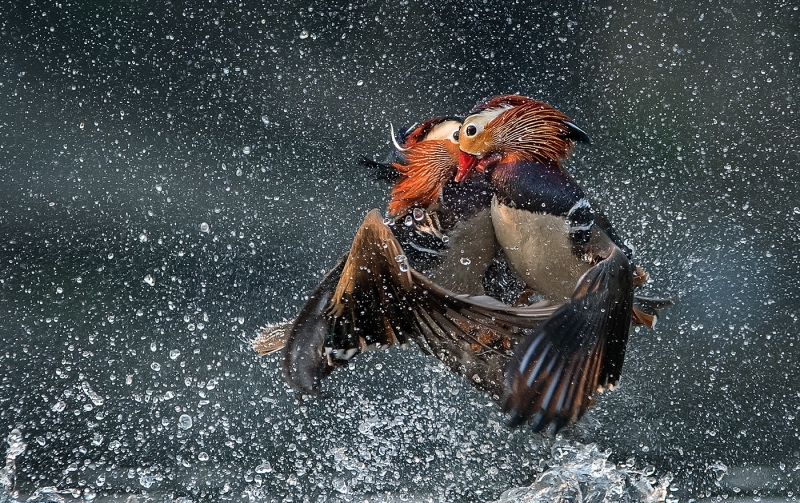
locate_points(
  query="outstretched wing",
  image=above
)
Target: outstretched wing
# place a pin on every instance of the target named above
(555, 372)
(304, 362)
(379, 300)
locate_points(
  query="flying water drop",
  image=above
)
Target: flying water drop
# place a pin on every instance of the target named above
(185, 421)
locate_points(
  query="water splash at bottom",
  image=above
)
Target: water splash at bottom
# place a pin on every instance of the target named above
(575, 473)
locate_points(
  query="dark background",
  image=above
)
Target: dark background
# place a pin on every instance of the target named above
(126, 125)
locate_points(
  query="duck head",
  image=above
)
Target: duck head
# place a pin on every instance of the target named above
(514, 128)
(427, 159)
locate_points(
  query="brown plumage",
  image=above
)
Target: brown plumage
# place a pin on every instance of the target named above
(531, 130)
(374, 299)
(427, 167)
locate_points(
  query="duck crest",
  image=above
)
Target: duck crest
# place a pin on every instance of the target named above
(508, 101)
(533, 131)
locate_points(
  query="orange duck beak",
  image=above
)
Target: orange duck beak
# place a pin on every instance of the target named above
(466, 166)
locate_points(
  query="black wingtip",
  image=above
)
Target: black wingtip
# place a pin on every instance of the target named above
(554, 373)
(304, 362)
(577, 134)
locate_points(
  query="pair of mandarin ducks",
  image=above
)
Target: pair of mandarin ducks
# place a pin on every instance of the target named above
(492, 260)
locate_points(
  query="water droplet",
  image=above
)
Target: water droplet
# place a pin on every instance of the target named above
(400, 258)
(303, 34)
(387, 221)
(150, 280)
(465, 261)
(59, 290)
(419, 214)
(143, 237)
(155, 366)
(265, 120)
(246, 149)
(360, 83)
(445, 239)
(404, 267)
(59, 406)
(264, 467)
(185, 422)
(91, 394)
(159, 187)
(203, 227)
(408, 221)
(190, 327)
(174, 354)
(203, 456)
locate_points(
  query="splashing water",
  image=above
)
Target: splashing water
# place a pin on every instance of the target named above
(584, 473)
(16, 446)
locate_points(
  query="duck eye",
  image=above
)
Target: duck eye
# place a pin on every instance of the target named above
(471, 130)
(455, 135)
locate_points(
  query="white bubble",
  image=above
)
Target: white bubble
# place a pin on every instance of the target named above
(185, 422)
(204, 227)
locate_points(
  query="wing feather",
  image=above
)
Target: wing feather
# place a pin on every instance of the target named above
(556, 371)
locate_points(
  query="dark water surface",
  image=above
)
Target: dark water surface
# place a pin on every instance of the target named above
(174, 177)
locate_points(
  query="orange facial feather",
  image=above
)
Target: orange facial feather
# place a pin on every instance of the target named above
(429, 166)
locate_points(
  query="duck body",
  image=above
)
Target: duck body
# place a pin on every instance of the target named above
(453, 240)
(530, 214)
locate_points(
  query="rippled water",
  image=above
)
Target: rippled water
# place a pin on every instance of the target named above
(173, 178)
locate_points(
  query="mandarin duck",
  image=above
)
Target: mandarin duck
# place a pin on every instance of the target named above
(563, 249)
